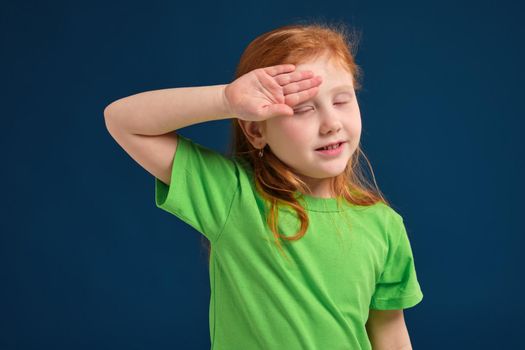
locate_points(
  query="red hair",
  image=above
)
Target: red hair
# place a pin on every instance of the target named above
(274, 180)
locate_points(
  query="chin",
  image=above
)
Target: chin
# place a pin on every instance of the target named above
(324, 173)
(335, 170)
(317, 173)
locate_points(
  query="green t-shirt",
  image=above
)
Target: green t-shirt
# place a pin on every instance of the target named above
(350, 260)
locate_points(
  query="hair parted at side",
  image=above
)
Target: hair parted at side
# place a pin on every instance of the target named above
(274, 180)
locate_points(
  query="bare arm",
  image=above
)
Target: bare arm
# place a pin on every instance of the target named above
(158, 112)
(144, 124)
(387, 330)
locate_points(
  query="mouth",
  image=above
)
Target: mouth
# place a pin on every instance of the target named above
(330, 146)
(332, 150)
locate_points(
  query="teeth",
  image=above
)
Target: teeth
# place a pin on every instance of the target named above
(331, 147)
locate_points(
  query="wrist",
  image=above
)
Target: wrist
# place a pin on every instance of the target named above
(224, 104)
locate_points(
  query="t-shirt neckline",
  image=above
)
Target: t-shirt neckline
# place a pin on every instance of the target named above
(321, 204)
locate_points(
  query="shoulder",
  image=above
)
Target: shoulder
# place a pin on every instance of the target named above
(388, 215)
(387, 211)
(393, 224)
(380, 212)
(381, 220)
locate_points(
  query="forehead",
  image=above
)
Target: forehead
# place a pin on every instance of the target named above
(331, 70)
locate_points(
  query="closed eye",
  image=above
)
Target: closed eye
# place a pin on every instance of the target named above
(306, 110)
(301, 111)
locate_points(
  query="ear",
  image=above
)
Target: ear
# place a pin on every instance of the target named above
(254, 132)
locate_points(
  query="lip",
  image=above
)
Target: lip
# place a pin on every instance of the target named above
(332, 152)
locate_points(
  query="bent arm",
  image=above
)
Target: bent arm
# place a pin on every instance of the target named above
(144, 124)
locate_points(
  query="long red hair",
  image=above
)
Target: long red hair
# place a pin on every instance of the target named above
(274, 180)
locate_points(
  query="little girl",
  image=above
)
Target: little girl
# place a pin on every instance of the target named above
(304, 254)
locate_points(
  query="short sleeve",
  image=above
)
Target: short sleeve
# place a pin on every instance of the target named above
(202, 187)
(397, 287)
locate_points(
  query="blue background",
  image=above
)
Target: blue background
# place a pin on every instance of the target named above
(87, 261)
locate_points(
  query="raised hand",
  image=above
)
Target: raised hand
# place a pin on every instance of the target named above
(270, 91)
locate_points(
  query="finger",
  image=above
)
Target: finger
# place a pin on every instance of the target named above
(285, 79)
(279, 69)
(302, 85)
(301, 96)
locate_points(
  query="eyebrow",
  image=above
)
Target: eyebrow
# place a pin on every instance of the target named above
(341, 88)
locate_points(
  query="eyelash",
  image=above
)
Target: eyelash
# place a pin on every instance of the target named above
(300, 112)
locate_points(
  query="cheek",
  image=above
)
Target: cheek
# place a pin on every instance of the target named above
(354, 122)
(356, 126)
(357, 118)
(291, 131)
(354, 131)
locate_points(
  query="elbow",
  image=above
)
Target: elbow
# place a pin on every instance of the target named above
(108, 110)
(109, 119)
(109, 116)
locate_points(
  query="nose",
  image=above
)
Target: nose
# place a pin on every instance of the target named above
(330, 122)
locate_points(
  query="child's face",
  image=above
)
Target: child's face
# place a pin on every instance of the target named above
(327, 117)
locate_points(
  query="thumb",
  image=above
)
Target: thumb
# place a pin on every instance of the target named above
(277, 109)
